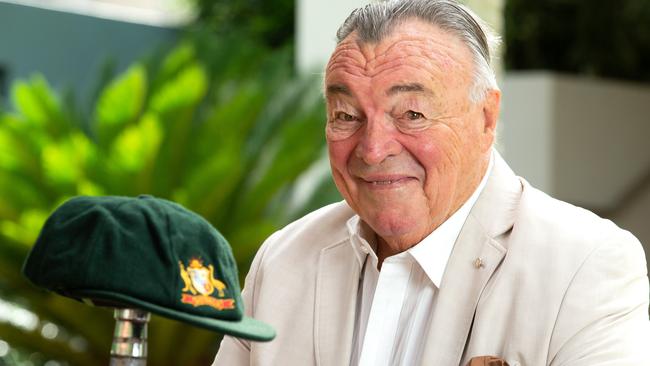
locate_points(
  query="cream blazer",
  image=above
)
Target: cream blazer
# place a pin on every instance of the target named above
(558, 286)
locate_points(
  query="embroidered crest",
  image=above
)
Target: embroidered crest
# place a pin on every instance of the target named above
(200, 285)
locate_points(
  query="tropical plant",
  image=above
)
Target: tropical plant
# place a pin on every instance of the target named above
(220, 126)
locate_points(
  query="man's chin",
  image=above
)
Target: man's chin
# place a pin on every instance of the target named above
(397, 230)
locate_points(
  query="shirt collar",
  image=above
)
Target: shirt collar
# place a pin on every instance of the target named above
(362, 239)
(433, 252)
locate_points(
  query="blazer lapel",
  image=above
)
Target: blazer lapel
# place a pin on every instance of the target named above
(468, 271)
(474, 259)
(336, 295)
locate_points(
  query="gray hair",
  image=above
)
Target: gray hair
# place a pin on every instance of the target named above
(376, 20)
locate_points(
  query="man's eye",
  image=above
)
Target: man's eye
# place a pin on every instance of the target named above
(414, 115)
(345, 117)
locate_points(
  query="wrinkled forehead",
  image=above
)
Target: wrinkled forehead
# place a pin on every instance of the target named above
(413, 45)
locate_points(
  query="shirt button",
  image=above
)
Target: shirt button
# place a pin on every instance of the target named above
(364, 249)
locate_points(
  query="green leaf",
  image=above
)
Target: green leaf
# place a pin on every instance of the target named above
(26, 229)
(180, 57)
(231, 119)
(17, 192)
(121, 103)
(37, 103)
(58, 164)
(64, 163)
(22, 144)
(213, 181)
(182, 91)
(8, 158)
(88, 188)
(137, 144)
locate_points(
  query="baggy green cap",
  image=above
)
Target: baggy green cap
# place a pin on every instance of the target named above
(143, 252)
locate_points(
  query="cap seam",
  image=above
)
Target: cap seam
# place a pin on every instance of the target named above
(174, 255)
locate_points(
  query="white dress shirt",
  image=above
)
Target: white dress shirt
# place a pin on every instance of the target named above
(394, 305)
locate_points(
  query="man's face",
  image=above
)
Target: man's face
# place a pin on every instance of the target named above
(407, 146)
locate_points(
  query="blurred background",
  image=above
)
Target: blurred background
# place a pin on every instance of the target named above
(216, 104)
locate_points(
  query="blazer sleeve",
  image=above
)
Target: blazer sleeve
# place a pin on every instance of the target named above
(603, 319)
(236, 351)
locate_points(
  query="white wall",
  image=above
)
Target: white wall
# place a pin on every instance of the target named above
(316, 25)
(636, 219)
(581, 140)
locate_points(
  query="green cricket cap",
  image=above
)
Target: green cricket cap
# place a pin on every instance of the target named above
(143, 252)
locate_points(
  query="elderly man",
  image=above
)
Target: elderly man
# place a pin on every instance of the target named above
(439, 254)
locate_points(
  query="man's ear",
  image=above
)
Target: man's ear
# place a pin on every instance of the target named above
(491, 106)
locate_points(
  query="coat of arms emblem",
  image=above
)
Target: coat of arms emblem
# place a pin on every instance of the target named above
(200, 284)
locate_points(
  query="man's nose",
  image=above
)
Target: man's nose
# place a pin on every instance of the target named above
(378, 141)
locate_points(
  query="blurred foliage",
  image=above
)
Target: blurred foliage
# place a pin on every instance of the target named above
(219, 125)
(272, 22)
(599, 37)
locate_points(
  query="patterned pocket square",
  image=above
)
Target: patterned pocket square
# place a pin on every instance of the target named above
(487, 361)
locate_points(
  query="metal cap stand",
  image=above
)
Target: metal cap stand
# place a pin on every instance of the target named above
(129, 346)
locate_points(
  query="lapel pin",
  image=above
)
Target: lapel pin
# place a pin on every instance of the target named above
(478, 263)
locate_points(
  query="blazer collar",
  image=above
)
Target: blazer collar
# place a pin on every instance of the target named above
(477, 253)
(496, 207)
(337, 284)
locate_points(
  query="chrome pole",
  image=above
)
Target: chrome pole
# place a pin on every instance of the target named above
(129, 346)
